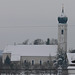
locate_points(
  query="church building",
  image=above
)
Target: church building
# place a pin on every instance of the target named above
(38, 54)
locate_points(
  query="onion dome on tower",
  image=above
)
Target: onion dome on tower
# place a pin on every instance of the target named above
(62, 19)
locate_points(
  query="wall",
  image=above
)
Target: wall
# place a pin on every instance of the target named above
(36, 59)
(5, 55)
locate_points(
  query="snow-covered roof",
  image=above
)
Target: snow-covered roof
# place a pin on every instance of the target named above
(71, 67)
(30, 50)
(71, 57)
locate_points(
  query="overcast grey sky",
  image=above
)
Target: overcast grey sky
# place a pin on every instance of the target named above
(18, 19)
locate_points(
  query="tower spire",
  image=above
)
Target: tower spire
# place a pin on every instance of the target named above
(62, 8)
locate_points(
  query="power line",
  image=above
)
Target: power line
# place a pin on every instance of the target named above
(27, 26)
(32, 26)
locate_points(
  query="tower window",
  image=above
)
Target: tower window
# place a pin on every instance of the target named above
(62, 31)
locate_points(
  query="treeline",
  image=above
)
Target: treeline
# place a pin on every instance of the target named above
(40, 42)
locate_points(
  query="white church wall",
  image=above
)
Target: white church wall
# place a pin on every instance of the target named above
(36, 59)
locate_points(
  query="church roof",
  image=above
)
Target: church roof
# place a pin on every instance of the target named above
(30, 50)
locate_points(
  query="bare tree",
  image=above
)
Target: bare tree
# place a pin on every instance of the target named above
(38, 42)
(25, 42)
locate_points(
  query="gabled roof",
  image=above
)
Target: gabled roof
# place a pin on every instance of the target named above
(71, 58)
(30, 50)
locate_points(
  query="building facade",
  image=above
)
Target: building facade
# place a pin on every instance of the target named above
(35, 59)
(35, 54)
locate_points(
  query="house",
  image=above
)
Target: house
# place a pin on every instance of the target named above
(71, 62)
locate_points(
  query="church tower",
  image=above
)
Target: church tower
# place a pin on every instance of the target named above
(62, 32)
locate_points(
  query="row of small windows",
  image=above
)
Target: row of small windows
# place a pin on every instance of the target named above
(40, 62)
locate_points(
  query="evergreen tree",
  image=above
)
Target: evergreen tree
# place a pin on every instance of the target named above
(48, 42)
(38, 42)
(27, 65)
(62, 60)
(7, 60)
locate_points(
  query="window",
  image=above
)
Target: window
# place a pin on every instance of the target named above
(62, 31)
(40, 62)
(25, 62)
(32, 62)
(48, 61)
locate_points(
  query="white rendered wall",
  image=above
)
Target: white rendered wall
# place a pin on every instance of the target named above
(36, 59)
(62, 38)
